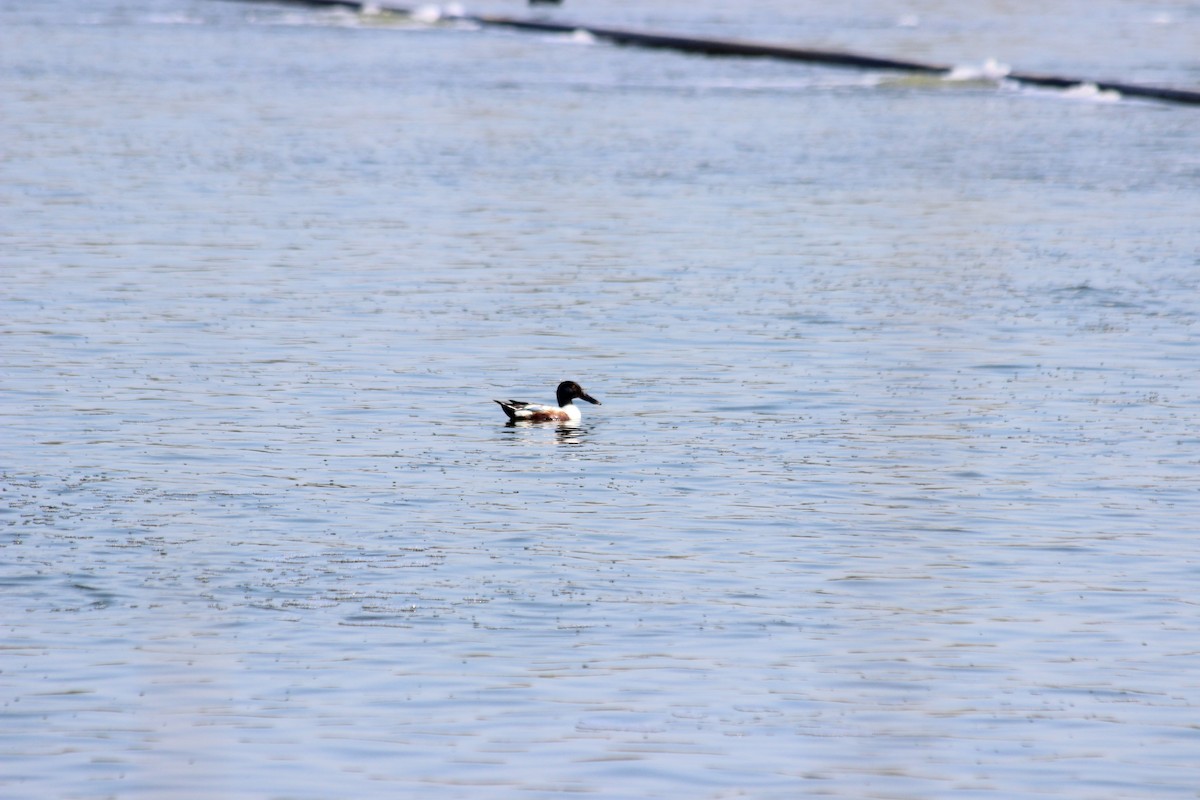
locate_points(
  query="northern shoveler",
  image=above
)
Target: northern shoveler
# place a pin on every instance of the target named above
(533, 412)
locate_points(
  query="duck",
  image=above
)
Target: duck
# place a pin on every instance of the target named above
(566, 411)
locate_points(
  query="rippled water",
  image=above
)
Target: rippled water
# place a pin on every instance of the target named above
(893, 491)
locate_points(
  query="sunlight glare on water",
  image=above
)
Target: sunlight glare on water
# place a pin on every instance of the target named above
(892, 493)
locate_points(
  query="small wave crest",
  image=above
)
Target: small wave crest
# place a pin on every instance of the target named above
(1091, 92)
(432, 14)
(990, 70)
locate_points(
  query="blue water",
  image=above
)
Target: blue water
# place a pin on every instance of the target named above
(893, 491)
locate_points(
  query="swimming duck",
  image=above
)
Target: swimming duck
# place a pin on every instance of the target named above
(565, 412)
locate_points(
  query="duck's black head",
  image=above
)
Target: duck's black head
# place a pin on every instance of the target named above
(569, 390)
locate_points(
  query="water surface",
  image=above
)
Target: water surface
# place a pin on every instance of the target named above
(892, 492)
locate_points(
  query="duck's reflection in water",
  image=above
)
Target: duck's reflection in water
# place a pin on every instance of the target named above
(573, 433)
